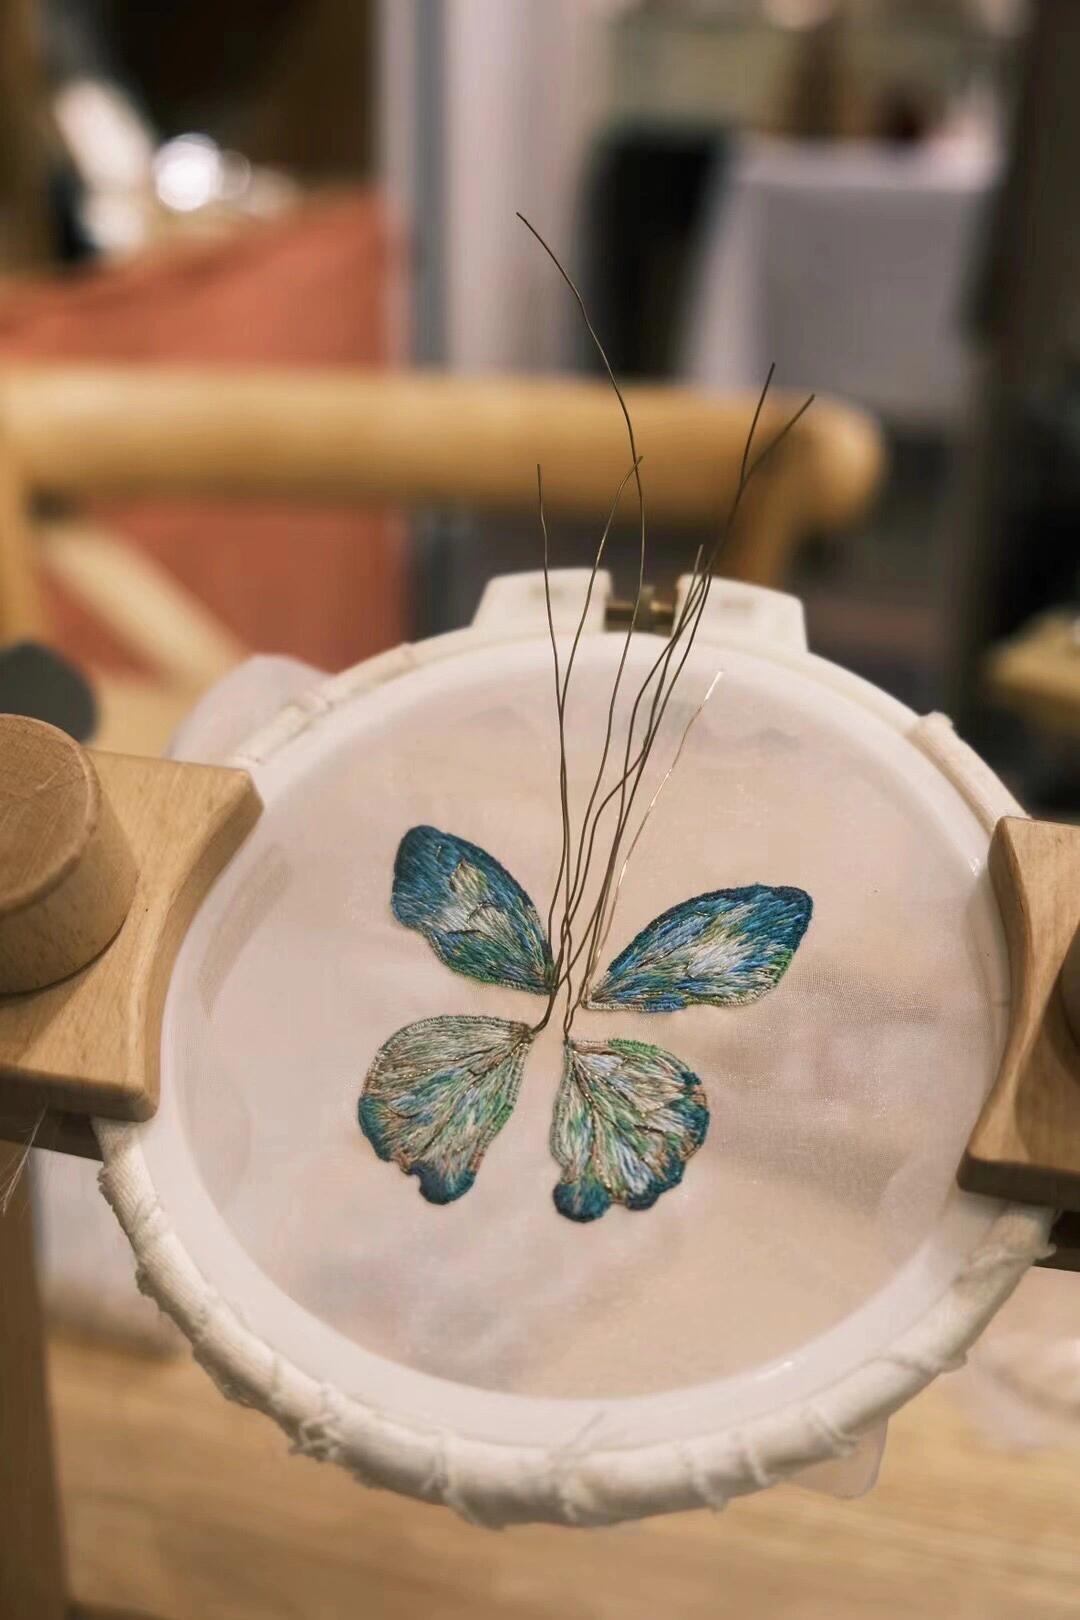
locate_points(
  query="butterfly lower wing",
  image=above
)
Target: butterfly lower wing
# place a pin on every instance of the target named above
(476, 917)
(438, 1093)
(627, 1118)
(725, 949)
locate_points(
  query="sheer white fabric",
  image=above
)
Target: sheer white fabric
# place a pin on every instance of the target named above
(839, 1103)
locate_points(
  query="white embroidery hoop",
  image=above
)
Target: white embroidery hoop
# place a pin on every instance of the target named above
(499, 1458)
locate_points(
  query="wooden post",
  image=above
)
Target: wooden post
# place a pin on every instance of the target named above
(21, 612)
(32, 1573)
(78, 836)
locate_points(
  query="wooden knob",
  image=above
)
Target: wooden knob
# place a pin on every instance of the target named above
(67, 874)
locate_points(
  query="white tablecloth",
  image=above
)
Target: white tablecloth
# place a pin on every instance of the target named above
(850, 266)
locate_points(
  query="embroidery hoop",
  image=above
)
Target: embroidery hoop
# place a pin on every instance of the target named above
(501, 1458)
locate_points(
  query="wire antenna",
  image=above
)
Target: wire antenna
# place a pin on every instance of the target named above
(580, 839)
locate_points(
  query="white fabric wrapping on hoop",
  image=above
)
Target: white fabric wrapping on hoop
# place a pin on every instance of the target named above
(586, 1482)
(497, 1485)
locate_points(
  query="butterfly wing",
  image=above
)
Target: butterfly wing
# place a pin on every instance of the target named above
(627, 1118)
(726, 948)
(437, 1095)
(475, 916)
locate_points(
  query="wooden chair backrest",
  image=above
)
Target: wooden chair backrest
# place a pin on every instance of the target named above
(417, 440)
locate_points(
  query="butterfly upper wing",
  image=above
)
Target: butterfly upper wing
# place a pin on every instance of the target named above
(627, 1117)
(438, 1093)
(725, 948)
(476, 917)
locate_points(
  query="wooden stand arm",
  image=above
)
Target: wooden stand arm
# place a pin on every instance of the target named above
(417, 439)
(103, 861)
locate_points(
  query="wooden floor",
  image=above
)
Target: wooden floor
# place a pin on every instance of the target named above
(183, 1507)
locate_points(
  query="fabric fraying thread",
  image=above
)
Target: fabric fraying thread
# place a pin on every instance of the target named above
(303, 1444)
(354, 1465)
(1000, 1257)
(563, 1494)
(752, 1463)
(331, 1419)
(843, 1444)
(711, 1495)
(318, 1436)
(204, 1335)
(148, 1206)
(925, 1367)
(451, 1492)
(273, 1391)
(562, 1461)
(203, 1317)
(231, 1387)
(434, 1484)
(314, 702)
(144, 1282)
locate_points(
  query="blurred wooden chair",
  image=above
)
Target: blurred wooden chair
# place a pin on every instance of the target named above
(1036, 672)
(410, 439)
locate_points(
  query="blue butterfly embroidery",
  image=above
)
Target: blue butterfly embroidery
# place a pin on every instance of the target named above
(628, 1115)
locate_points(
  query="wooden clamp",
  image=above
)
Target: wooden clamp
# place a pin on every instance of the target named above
(1026, 1143)
(103, 862)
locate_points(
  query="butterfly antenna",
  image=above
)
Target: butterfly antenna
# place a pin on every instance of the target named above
(560, 705)
(664, 780)
(685, 628)
(565, 940)
(691, 614)
(562, 688)
(696, 594)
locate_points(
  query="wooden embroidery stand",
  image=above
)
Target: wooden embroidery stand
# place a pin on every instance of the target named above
(105, 860)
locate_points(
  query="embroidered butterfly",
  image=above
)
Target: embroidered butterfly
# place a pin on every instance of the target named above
(628, 1115)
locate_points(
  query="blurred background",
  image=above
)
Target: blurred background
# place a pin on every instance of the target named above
(877, 197)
